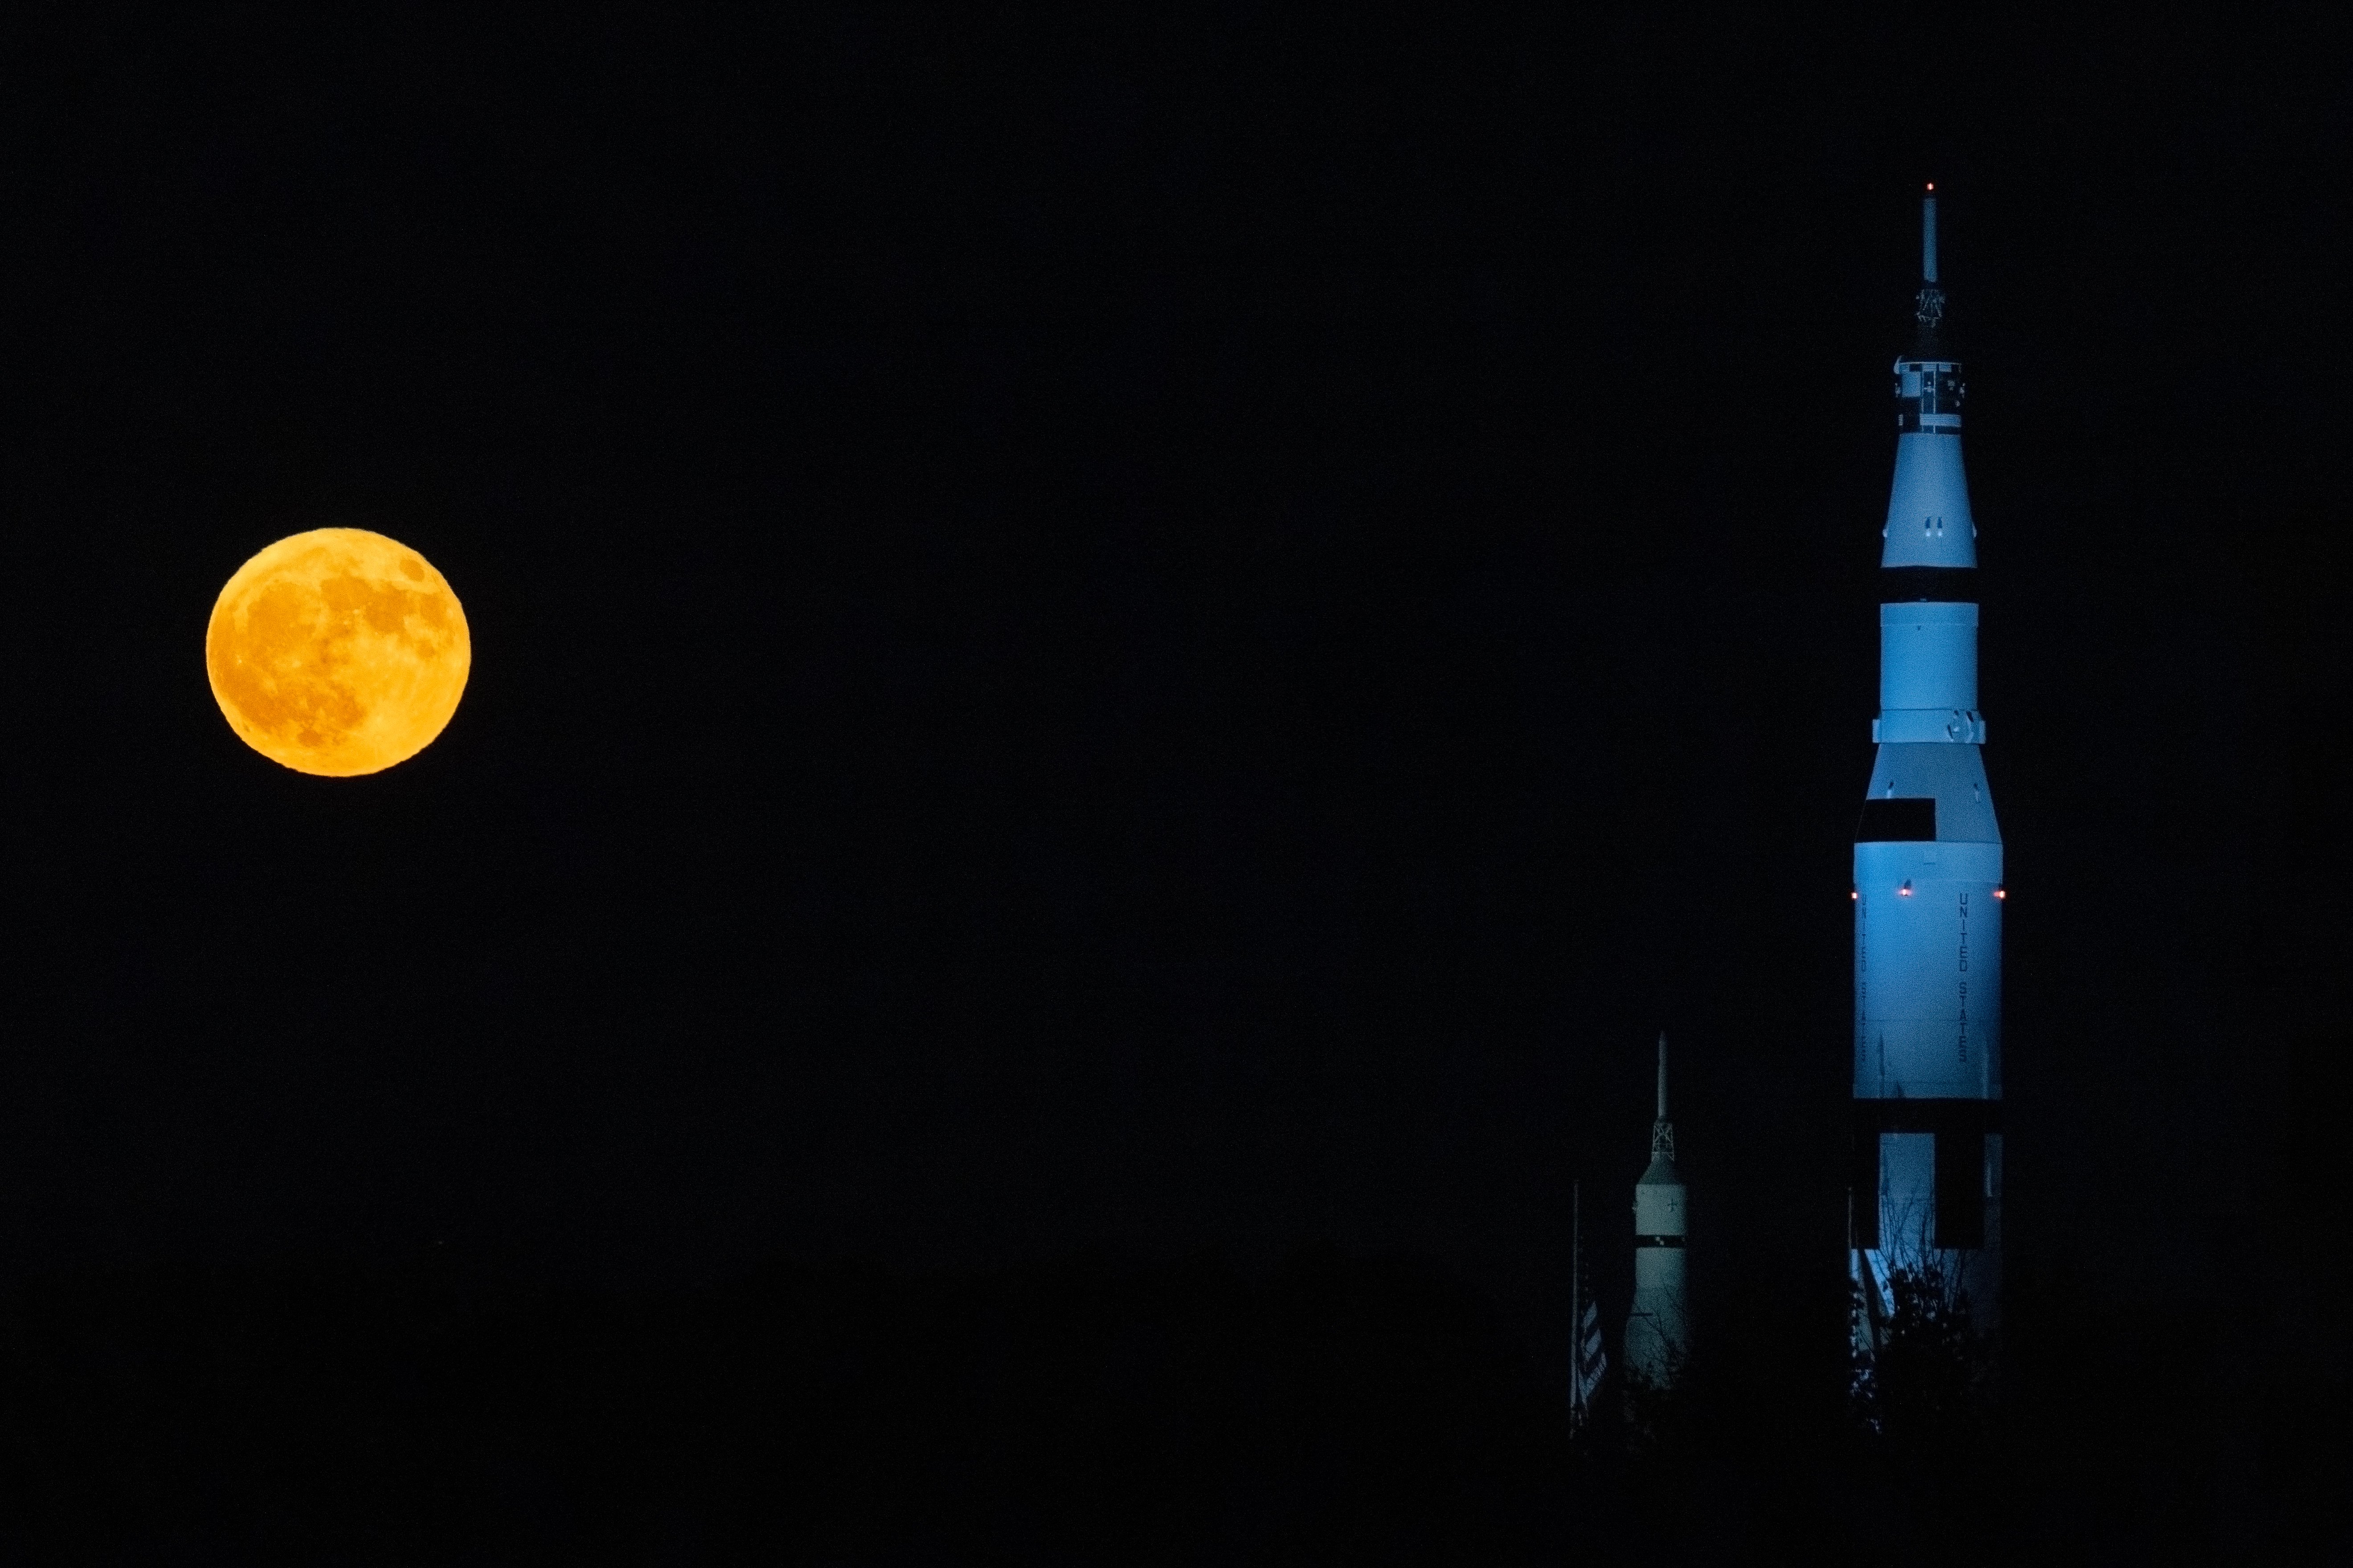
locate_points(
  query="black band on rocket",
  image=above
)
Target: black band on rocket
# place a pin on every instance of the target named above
(1935, 584)
(1877, 1116)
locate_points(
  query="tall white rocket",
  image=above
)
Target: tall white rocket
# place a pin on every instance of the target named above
(1925, 1192)
(1658, 1333)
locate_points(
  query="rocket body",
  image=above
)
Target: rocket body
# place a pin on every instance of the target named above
(1658, 1331)
(1926, 1187)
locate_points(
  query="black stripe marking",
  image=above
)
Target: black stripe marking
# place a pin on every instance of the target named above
(1939, 585)
(1897, 819)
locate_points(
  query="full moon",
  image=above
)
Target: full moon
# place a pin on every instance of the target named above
(338, 652)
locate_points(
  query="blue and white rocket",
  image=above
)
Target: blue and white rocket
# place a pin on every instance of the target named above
(1658, 1330)
(1927, 1184)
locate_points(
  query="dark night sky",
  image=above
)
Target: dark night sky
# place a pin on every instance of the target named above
(1179, 637)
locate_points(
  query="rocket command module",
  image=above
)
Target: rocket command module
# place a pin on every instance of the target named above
(1926, 1185)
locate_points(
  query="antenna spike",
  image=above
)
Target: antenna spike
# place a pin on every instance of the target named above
(1929, 311)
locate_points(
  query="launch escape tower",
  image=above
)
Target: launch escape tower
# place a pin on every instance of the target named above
(1926, 1185)
(1658, 1331)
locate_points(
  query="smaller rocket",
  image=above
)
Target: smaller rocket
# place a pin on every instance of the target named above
(1658, 1333)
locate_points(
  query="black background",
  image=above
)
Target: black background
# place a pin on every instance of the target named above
(1173, 637)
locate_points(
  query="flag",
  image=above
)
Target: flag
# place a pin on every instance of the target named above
(1591, 1361)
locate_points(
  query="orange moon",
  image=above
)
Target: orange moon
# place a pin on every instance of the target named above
(338, 652)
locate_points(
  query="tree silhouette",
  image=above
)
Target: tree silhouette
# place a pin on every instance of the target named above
(1927, 1381)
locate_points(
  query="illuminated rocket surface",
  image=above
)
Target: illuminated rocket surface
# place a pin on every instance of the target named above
(1658, 1330)
(1926, 1185)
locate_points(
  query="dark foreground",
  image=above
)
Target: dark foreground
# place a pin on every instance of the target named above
(1333, 1410)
